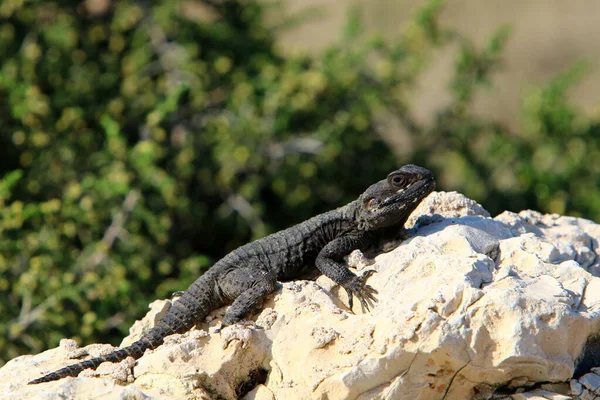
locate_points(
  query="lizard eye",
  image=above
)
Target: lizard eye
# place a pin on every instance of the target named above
(397, 180)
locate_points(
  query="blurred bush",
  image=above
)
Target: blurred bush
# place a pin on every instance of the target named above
(141, 141)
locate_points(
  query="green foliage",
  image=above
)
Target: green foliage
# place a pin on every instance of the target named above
(546, 166)
(142, 142)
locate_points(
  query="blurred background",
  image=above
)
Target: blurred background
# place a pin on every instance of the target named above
(142, 140)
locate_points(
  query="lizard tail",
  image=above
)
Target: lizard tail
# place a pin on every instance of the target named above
(135, 350)
(194, 305)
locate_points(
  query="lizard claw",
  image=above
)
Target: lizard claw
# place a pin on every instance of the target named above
(362, 291)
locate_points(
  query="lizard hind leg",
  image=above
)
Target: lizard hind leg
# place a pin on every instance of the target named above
(247, 287)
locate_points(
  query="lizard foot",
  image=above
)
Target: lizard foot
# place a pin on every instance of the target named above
(362, 291)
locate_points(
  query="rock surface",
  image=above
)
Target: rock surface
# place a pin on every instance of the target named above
(469, 307)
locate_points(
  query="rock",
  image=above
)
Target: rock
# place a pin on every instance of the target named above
(261, 392)
(587, 395)
(539, 394)
(591, 381)
(439, 205)
(560, 388)
(573, 238)
(467, 304)
(576, 387)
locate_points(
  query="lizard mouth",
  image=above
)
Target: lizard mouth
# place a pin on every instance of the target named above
(413, 192)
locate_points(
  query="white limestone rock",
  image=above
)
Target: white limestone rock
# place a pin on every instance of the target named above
(467, 304)
(439, 205)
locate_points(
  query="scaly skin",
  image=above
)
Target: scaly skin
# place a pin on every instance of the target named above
(249, 273)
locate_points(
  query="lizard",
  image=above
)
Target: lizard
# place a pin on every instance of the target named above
(244, 277)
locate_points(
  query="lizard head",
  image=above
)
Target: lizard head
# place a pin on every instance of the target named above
(390, 201)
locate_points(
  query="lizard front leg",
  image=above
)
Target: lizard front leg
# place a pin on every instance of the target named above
(329, 262)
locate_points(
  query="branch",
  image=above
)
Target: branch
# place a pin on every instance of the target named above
(245, 210)
(112, 232)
